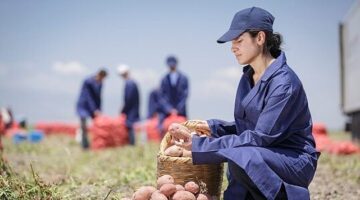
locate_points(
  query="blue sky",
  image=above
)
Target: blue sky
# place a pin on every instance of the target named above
(48, 47)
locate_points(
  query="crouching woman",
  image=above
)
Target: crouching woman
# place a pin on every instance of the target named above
(269, 146)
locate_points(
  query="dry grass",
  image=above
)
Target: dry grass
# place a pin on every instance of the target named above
(63, 171)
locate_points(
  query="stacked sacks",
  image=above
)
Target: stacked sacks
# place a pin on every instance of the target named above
(2, 131)
(13, 130)
(325, 143)
(152, 129)
(172, 119)
(2, 126)
(344, 147)
(56, 128)
(109, 132)
(321, 138)
(152, 126)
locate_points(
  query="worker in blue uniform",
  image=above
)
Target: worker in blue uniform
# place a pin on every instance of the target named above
(153, 103)
(89, 102)
(131, 102)
(174, 91)
(269, 146)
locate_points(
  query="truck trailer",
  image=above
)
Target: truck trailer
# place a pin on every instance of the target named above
(349, 32)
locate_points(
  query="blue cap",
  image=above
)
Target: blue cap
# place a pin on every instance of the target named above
(171, 61)
(248, 19)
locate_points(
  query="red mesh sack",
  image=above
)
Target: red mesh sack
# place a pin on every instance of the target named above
(108, 132)
(173, 119)
(151, 128)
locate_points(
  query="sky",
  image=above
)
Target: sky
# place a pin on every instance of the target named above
(47, 48)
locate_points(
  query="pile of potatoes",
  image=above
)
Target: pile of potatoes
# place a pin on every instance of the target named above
(168, 190)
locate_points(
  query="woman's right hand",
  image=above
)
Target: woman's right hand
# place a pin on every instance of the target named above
(203, 128)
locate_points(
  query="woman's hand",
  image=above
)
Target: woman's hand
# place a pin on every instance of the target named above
(181, 135)
(202, 127)
(179, 132)
(185, 145)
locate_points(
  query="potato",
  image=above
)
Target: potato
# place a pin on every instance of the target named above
(179, 131)
(168, 189)
(164, 179)
(186, 153)
(192, 187)
(204, 197)
(183, 195)
(151, 189)
(174, 151)
(143, 193)
(158, 196)
(179, 187)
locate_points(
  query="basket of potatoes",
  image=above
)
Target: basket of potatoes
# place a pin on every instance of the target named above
(177, 162)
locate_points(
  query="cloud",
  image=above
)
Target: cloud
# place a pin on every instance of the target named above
(44, 80)
(222, 82)
(69, 68)
(147, 77)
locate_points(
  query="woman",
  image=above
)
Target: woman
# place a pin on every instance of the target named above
(269, 147)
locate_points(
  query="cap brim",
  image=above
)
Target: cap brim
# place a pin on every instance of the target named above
(230, 35)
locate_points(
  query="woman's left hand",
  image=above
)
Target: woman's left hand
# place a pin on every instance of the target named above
(181, 135)
(179, 132)
(185, 145)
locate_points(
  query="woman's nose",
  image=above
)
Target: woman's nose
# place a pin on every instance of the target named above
(233, 49)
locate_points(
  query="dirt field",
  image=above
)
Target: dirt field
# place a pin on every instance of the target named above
(66, 172)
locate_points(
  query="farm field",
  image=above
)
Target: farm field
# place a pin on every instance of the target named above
(57, 168)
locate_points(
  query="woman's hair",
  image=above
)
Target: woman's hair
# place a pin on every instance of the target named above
(272, 42)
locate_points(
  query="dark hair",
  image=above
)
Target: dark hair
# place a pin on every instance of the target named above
(272, 42)
(102, 72)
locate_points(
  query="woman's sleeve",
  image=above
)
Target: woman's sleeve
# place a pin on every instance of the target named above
(220, 128)
(278, 114)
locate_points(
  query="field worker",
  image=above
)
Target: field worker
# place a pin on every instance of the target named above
(89, 102)
(153, 103)
(8, 117)
(131, 102)
(174, 91)
(269, 146)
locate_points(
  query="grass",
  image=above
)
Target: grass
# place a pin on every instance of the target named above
(57, 168)
(13, 187)
(75, 174)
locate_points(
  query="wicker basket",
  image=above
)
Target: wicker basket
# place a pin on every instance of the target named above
(209, 177)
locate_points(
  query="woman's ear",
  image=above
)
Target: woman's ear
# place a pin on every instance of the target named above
(260, 39)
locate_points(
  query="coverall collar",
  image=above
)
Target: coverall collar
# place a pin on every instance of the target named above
(279, 61)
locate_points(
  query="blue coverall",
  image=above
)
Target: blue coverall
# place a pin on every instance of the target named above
(270, 140)
(173, 96)
(153, 104)
(131, 107)
(88, 102)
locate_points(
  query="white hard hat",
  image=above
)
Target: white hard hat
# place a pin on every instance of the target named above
(122, 69)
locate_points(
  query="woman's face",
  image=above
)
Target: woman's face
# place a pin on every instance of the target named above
(246, 48)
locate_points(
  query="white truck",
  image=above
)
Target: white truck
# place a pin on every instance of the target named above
(349, 31)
